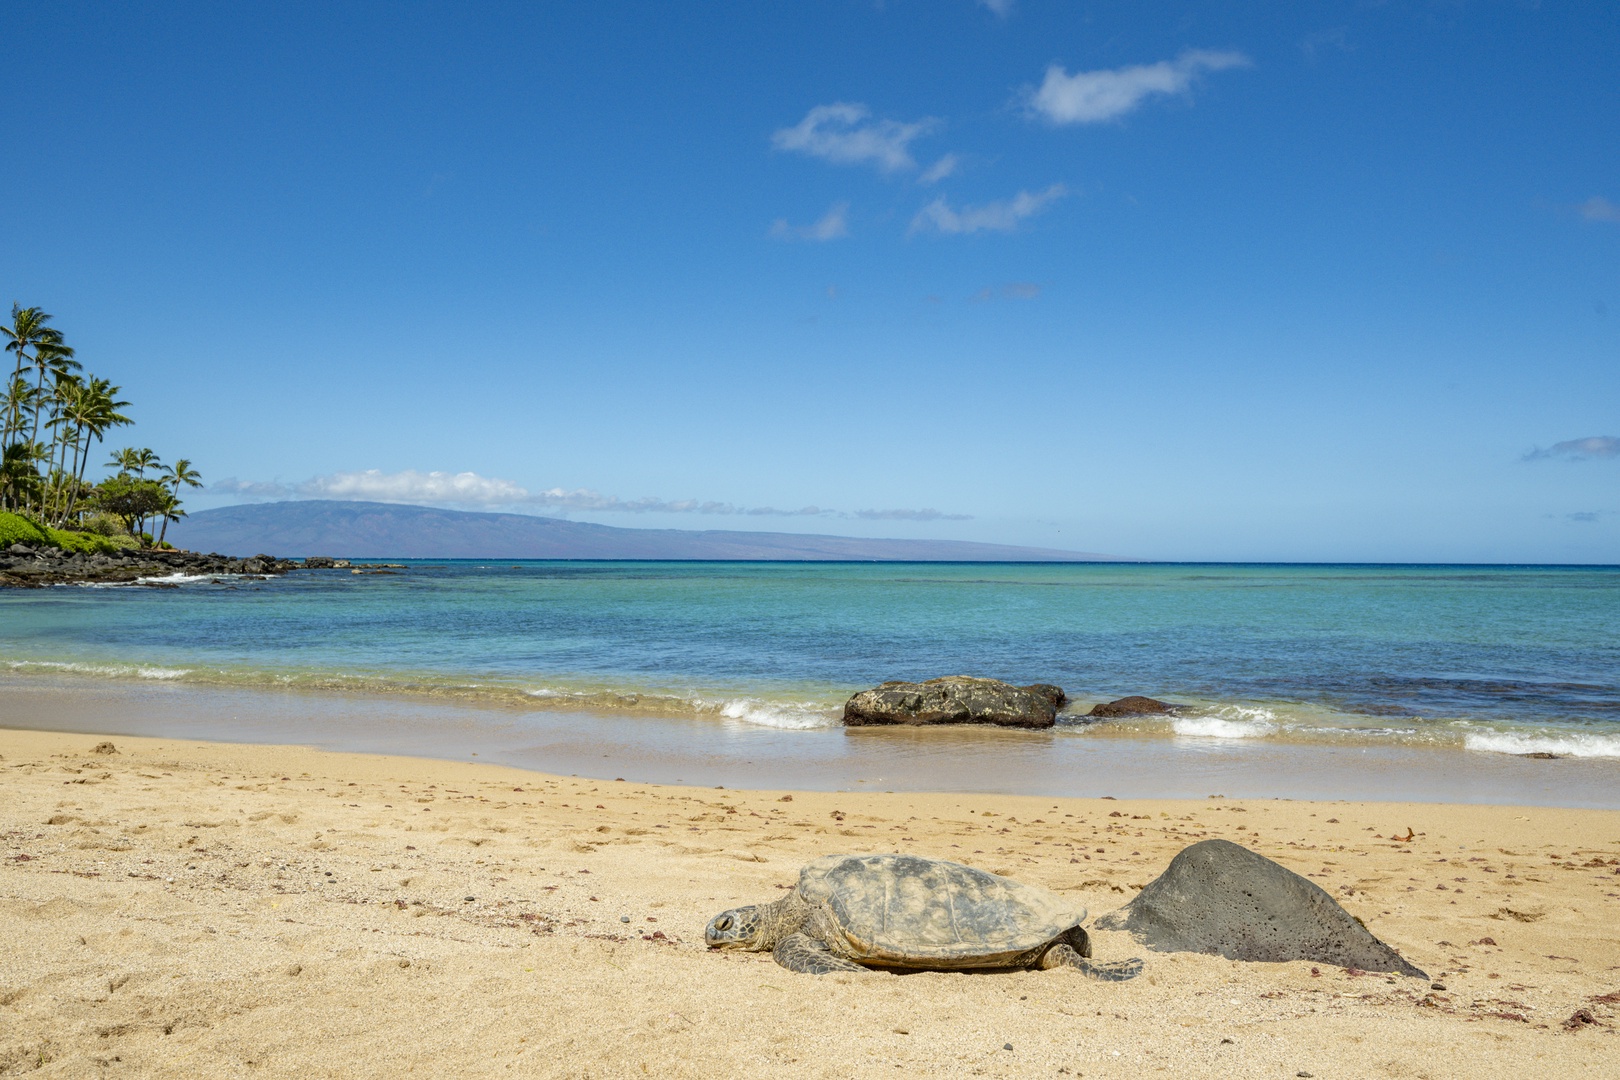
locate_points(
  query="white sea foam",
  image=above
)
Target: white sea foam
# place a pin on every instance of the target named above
(791, 717)
(174, 579)
(115, 670)
(1228, 722)
(1574, 745)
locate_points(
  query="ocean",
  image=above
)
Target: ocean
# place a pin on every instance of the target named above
(1509, 659)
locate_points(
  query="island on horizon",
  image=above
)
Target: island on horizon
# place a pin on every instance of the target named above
(372, 530)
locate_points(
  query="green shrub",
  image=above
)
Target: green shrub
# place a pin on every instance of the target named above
(15, 529)
(104, 524)
(89, 543)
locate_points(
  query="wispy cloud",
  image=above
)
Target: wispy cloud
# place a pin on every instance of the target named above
(1597, 208)
(468, 489)
(908, 515)
(844, 134)
(1090, 97)
(832, 225)
(1001, 8)
(462, 489)
(1002, 215)
(1587, 449)
(939, 170)
(1584, 517)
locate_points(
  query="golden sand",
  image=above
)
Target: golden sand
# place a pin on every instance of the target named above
(216, 910)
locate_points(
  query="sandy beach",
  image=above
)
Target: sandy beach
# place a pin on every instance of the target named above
(178, 908)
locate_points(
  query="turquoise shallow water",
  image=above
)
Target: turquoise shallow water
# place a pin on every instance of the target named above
(1492, 659)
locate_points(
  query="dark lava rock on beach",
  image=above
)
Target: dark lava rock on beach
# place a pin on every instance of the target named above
(1051, 693)
(1221, 898)
(1135, 706)
(25, 566)
(955, 699)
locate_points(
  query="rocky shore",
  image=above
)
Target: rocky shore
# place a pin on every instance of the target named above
(25, 566)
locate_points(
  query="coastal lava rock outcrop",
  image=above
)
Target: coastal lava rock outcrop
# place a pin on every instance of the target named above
(1134, 705)
(1221, 898)
(29, 566)
(956, 699)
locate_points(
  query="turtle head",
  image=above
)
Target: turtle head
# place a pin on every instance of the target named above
(739, 928)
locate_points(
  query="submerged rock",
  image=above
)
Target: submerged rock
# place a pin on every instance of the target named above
(1135, 705)
(1221, 898)
(956, 699)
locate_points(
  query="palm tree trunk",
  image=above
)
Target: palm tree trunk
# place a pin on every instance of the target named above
(39, 396)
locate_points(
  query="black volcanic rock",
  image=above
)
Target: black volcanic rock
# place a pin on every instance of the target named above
(32, 567)
(386, 530)
(955, 699)
(1219, 897)
(1134, 705)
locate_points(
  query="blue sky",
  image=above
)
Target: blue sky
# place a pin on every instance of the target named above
(1295, 281)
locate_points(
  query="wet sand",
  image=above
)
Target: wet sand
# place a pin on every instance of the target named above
(183, 908)
(1092, 762)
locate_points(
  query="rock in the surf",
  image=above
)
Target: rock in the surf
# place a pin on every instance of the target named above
(955, 699)
(1051, 693)
(1134, 705)
(1221, 898)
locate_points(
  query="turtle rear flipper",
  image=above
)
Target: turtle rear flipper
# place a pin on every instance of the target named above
(1063, 955)
(801, 952)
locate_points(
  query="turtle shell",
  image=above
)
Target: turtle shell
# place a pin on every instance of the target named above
(909, 912)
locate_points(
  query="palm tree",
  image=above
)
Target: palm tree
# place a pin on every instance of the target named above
(65, 396)
(27, 331)
(19, 398)
(126, 460)
(179, 473)
(174, 475)
(170, 511)
(97, 412)
(132, 460)
(19, 477)
(56, 358)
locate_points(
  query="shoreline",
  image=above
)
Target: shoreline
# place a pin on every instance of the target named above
(713, 751)
(232, 909)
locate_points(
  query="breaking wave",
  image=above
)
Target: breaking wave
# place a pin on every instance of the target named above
(1572, 745)
(1228, 722)
(798, 717)
(116, 671)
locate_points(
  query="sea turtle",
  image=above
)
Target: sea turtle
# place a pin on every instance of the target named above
(852, 912)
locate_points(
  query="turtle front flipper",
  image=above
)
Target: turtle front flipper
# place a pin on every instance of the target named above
(801, 952)
(1064, 955)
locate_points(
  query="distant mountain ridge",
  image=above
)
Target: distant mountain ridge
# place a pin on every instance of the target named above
(368, 530)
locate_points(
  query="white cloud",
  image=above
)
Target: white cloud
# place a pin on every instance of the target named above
(832, 225)
(1593, 446)
(1597, 208)
(908, 515)
(1002, 215)
(1002, 8)
(841, 133)
(1090, 97)
(468, 489)
(939, 170)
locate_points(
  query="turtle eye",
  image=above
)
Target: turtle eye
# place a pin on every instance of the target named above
(723, 923)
